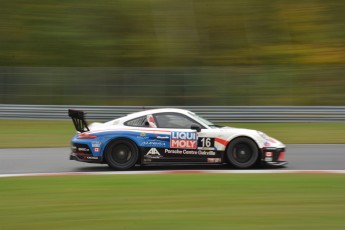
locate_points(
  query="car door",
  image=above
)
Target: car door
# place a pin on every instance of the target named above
(185, 144)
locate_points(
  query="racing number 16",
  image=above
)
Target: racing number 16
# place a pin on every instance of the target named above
(206, 142)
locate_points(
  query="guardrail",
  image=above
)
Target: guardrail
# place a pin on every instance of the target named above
(213, 113)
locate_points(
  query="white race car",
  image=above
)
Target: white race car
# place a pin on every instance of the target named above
(173, 136)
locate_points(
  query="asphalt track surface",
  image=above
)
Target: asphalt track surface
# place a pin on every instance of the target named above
(56, 160)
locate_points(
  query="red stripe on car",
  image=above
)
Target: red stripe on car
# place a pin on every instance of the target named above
(221, 141)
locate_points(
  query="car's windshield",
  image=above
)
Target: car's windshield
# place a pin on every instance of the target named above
(202, 120)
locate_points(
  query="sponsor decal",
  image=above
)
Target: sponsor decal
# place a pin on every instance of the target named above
(173, 151)
(268, 158)
(267, 144)
(157, 143)
(204, 148)
(153, 151)
(162, 137)
(96, 144)
(214, 160)
(207, 153)
(190, 152)
(143, 134)
(97, 150)
(268, 154)
(92, 158)
(183, 140)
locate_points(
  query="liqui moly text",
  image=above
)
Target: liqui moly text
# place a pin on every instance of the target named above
(183, 140)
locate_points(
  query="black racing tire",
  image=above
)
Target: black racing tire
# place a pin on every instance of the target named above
(121, 154)
(242, 153)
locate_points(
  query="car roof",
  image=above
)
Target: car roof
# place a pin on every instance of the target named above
(122, 120)
(154, 111)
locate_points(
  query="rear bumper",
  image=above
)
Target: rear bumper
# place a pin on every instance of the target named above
(82, 152)
(85, 158)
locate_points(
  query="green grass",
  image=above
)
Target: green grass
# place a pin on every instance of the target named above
(300, 133)
(36, 133)
(167, 202)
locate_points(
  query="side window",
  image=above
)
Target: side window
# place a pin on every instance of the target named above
(138, 122)
(173, 120)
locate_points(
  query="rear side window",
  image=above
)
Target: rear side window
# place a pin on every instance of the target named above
(138, 122)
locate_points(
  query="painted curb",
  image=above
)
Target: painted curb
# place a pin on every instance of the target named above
(178, 172)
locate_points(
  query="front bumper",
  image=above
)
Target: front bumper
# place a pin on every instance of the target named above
(273, 156)
(279, 163)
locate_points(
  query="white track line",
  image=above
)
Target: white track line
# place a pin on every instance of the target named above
(179, 172)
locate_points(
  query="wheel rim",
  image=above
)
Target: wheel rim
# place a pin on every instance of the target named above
(242, 153)
(121, 154)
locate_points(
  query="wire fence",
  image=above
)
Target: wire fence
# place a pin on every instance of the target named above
(179, 86)
(213, 113)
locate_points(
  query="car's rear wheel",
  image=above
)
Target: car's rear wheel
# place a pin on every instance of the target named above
(121, 154)
(242, 152)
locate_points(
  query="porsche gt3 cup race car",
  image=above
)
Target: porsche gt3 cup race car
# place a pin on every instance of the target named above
(172, 136)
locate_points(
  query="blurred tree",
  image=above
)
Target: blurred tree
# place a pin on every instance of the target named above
(191, 52)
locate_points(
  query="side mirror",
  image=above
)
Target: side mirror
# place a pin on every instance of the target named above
(195, 127)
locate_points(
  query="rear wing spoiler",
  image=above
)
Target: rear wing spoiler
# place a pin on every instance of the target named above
(78, 118)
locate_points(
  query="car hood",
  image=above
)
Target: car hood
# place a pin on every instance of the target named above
(262, 139)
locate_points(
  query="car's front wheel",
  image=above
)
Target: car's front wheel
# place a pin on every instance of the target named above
(121, 154)
(242, 152)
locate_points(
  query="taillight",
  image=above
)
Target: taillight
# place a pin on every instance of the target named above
(86, 136)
